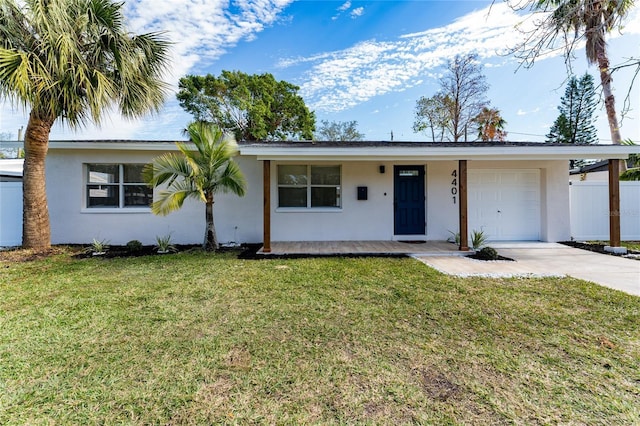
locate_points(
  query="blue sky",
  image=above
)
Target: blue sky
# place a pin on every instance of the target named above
(368, 61)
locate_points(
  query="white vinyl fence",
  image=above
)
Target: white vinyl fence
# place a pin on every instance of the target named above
(590, 210)
(10, 214)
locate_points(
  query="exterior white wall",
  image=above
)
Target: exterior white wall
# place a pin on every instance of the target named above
(590, 210)
(373, 219)
(554, 193)
(236, 219)
(370, 219)
(240, 219)
(442, 211)
(10, 214)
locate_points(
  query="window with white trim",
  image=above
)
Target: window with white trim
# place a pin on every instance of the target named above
(307, 186)
(117, 186)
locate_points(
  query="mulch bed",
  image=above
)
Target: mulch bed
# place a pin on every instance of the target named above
(122, 251)
(477, 257)
(594, 247)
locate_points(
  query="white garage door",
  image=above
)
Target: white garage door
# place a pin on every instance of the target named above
(505, 204)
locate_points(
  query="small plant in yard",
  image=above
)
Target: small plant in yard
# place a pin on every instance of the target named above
(454, 238)
(164, 244)
(488, 253)
(99, 247)
(478, 239)
(134, 246)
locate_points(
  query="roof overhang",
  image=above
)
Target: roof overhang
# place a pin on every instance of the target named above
(379, 151)
(118, 145)
(431, 152)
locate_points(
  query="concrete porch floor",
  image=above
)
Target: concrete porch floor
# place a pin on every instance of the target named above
(328, 248)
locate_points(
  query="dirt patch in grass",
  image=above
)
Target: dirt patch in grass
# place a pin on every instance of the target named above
(28, 255)
(437, 386)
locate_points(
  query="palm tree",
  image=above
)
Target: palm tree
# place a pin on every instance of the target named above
(198, 174)
(70, 60)
(572, 20)
(490, 125)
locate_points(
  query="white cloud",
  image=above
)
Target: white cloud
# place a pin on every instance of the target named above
(345, 6)
(339, 80)
(342, 79)
(356, 13)
(203, 29)
(199, 30)
(522, 112)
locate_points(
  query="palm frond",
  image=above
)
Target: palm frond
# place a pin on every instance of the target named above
(232, 180)
(72, 59)
(206, 170)
(173, 198)
(166, 169)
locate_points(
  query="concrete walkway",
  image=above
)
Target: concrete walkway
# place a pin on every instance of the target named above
(547, 259)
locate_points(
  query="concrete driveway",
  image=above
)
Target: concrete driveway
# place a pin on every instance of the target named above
(547, 259)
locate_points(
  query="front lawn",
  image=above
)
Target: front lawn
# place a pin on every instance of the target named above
(193, 338)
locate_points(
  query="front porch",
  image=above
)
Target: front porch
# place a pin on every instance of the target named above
(365, 201)
(329, 248)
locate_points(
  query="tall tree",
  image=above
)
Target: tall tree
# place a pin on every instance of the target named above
(490, 125)
(432, 115)
(198, 174)
(252, 107)
(69, 60)
(339, 131)
(462, 96)
(575, 122)
(568, 23)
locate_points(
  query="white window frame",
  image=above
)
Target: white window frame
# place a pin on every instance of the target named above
(309, 186)
(120, 208)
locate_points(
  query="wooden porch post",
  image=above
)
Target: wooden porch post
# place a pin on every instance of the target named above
(462, 195)
(266, 209)
(614, 203)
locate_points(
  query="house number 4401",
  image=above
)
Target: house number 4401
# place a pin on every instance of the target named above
(454, 185)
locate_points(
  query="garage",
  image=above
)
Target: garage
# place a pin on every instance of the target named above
(505, 204)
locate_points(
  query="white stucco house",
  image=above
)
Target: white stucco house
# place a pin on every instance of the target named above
(325, 191)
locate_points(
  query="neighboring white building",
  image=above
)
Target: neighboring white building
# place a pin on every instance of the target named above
(324, 191)
(10, 202)
(598, 171)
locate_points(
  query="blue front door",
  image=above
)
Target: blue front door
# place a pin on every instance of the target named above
(409, 200)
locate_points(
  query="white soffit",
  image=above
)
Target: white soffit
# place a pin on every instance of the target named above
(116, 145)
(407, 153)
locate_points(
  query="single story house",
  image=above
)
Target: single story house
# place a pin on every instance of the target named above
(326, 191)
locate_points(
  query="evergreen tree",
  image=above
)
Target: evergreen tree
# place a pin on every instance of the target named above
(575, 122)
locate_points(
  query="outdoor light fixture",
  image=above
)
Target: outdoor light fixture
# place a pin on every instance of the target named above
(382, 168)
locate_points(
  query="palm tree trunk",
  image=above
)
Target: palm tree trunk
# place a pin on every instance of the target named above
(609, 101)
(210, 238)
(36, 231)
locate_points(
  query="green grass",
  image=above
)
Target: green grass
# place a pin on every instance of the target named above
(193, 338)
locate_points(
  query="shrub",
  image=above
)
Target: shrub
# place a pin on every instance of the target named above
(134, 246)
(164, 244)
(454, 238)
(99, 246)
(488, 253)
(478, 239)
